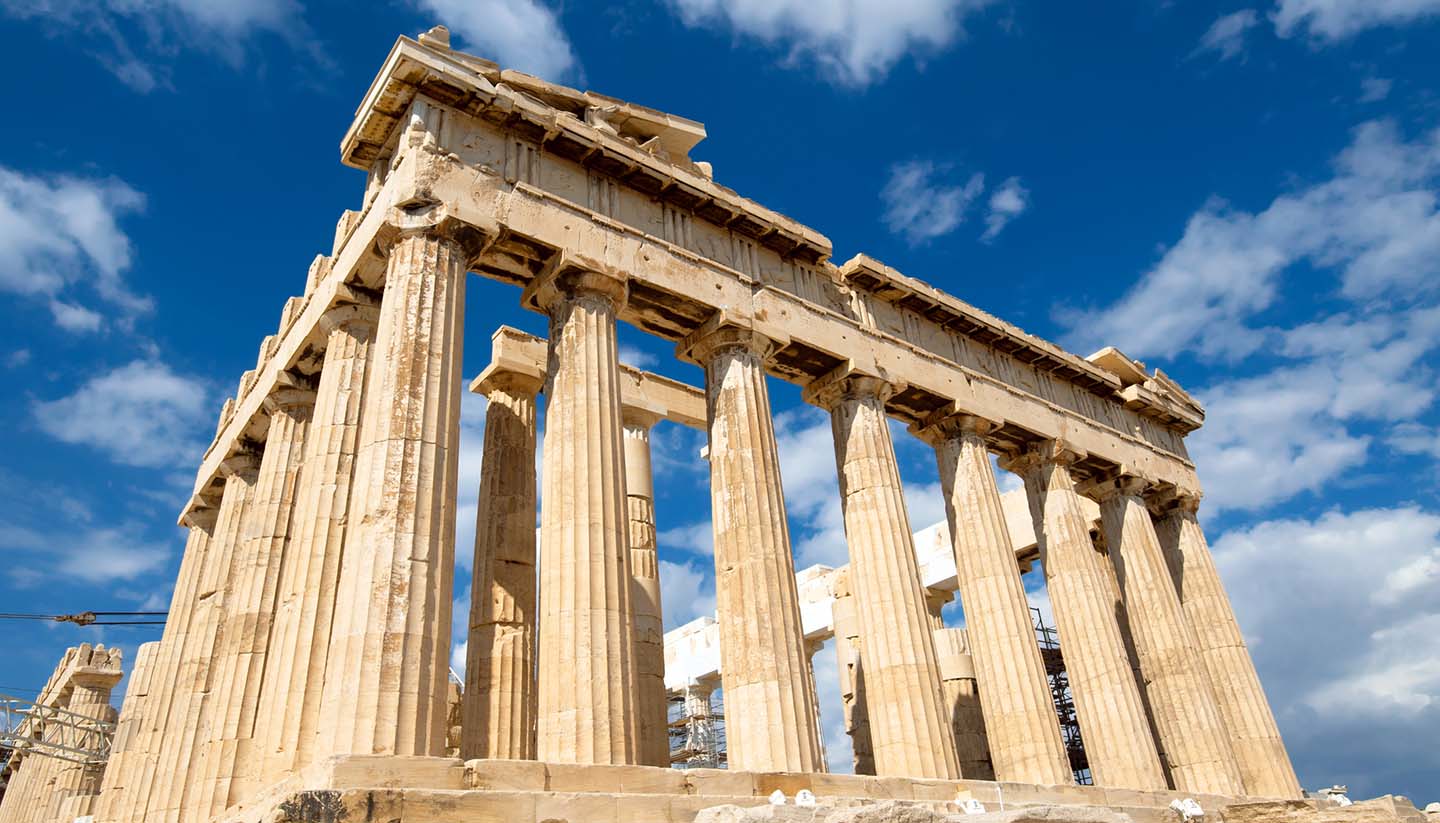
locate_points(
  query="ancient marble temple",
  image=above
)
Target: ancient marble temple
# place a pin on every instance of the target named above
(302, 674)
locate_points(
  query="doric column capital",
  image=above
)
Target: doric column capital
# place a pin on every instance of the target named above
(430, 219)
(948, 423)
(356, 318)
(725, 332)
(290, 400)
(639, 418)
(497, 378)
(200, 514)
(1042, 453)
(1168, 500)
(846, 383)
(244, 464)
(1118, 484)
(570, 276)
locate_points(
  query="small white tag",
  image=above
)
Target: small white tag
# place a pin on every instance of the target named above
(777, 798)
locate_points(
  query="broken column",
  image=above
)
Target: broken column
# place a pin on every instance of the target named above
(1112, 718)
(499, 699)
(909, 727)
(1192, 734)
(769, 697)
(1254, 736)
(645, 588)
(586, 651)
(845, 621)
(960, 689)
(1020, 722)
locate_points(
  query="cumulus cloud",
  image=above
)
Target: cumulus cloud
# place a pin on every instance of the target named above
(686, 593)
(164, 28)
(1374, 224)
(920, 204)
(853, 43)
(141, 414)
(1342, 614)
(518, 34)
(1331, 20)
(1226, 36)
(1007, 202)
(82, 552)
(61, 234)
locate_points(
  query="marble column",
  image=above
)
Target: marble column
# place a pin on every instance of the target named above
(1023, 732)
(846, 623)
(1108, 706)
(386, 677)
(76, 784)
(1254, 736)
(499, 699)
(587, 707)
(295, 675)
(961, 692)
(1192, 734)
(645, 589)
(909, 728)
(139, 766)
(232, 768)
(187, 729)
(700, 730)
(137, 706)
(769, 694)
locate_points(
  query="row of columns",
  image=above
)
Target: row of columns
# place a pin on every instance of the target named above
(311, 616)
(591, 635)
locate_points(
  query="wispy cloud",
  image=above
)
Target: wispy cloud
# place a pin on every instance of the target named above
(141, 414)
(1332, 20)
(921, 203)
(1375, 89)
(852, 43)
(1007, 202)
(1226, 36)
(518, 34)
(60, 236)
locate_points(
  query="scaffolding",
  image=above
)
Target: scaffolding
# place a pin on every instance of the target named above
(1049, 642)
(697, 729)
(29, 728)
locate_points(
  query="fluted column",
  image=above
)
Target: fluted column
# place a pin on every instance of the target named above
(645, 589)
(181, 743)
(499, 700)
(1112, 719)
(769, 694)
(126, 790)
(76, 784)
(1254, 736)
(387, 672)
(1020, 722)
(138, 705)
(300, 639)
(231, 765)
(961, 691)
(846, 623)
(586, 673)
(1192, 734)
(909, 726)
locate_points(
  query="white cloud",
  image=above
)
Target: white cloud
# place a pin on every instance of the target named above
(18, 358)
(1414, 438)
(518, 34)
(1330, 20)
(920, 205)
(1007, 202)
(165, 27)
(61, 232)
(1375, 89)
(472, 455)
(88, 554)
(686, 593)
(1293, 429)
(1226, 36)
(640, 359)
(852, 42)
(141, 414)
(1374, 224)
(695, 538)
(1342, 614)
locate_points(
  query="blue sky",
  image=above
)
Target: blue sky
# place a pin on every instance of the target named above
(1242, 194)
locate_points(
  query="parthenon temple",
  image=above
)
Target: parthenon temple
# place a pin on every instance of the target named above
(303, 673)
